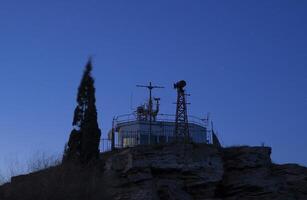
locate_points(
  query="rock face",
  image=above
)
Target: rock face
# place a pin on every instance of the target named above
(250, 174)
(167, 172)
(171, 172)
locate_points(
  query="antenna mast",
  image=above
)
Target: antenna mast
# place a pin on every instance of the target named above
(182, 125)
(150, 87)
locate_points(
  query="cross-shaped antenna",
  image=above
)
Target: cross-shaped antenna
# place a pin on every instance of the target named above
(150, 87)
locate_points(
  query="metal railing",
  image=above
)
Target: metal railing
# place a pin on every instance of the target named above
(121, 119)
(105, 145)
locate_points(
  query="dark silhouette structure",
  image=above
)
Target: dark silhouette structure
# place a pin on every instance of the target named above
(215, 139)
(182, 125)
(150, 112)
(83, 144)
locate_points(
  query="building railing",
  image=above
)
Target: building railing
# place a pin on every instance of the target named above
(105, 145)
(121, 119)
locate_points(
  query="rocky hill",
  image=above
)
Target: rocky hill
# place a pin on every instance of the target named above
(167, 172)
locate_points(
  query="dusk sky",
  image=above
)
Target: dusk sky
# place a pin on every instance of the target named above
(245, 62)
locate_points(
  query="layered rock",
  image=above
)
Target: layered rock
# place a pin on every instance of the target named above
(250, 174)
(171, 172)
(167, 172)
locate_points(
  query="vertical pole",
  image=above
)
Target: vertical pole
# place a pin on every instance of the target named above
(150, 109)
(113, 135)
(150, 112)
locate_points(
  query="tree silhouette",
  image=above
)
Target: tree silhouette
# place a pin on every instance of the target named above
(83, 144)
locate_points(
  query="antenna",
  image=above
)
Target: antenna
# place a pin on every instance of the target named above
(150, 87)
(131, 101)
(181, 124)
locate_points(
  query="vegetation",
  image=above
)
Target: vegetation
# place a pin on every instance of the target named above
(83, 144)
(39, 161)
(62, 182)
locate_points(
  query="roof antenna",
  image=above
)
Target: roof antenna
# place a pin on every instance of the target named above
(181, 124)
(150, 87)
(131, 101)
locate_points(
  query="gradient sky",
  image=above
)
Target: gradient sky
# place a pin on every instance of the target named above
(245, 62)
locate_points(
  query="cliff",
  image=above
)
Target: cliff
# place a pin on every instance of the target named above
(167, 172)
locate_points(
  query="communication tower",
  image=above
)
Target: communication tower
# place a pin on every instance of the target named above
(182, 124)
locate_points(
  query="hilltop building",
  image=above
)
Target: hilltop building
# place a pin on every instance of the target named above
(132, 130)
(146, 125)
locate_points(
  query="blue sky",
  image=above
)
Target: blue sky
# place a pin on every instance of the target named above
(244, 62)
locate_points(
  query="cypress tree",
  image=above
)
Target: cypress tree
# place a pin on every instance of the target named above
(83, 144)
